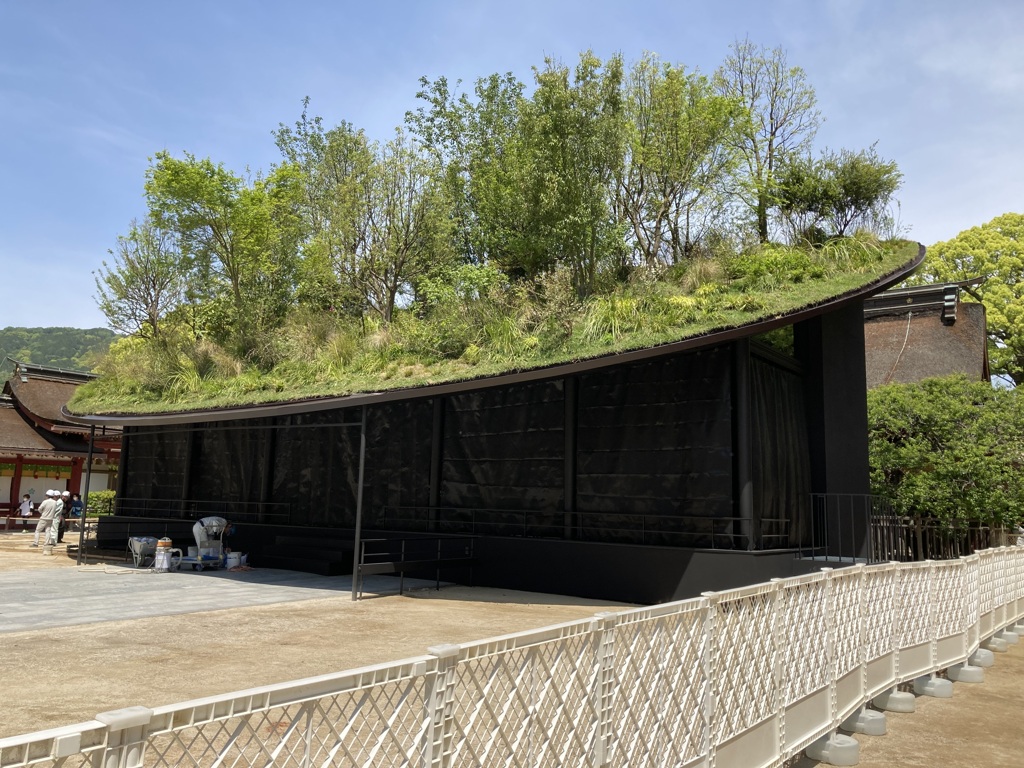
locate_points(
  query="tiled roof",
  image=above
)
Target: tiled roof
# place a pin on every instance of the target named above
(18, 436)
(43, 397)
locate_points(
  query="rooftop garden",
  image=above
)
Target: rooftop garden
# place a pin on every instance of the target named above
(609, 208)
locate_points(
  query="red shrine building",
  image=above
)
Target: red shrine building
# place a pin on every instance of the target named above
(39, 449)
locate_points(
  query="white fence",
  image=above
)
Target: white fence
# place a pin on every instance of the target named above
(747, 678)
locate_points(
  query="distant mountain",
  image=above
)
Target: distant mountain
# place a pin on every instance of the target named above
(72, 348)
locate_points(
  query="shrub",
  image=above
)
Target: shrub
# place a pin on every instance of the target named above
(949, 449)
(101, 503)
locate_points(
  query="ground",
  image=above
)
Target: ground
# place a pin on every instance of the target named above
(67, 674)
(61, 675)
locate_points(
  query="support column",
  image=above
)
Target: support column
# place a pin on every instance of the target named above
(357, 538)
(267, 482)
(76, 475)
(570, 394)
(126, 737)
(742, 450)
(19, 462)
(831, 350)
(186, 480)
(436, 461)
(122, 467)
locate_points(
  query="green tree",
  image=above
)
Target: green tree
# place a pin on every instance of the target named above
(681, 135)
(994, 252)
(831, 195)
(479, 144)
(407, 227)
(337, 168)
(782, 119)
(241, 240)
(145, 283)
(575, 127)
(949, 449)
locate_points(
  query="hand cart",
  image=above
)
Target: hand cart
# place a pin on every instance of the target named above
(210, 553)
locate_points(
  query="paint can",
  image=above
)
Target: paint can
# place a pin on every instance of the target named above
(234, 559)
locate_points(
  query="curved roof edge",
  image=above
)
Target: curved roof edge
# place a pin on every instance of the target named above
(558, 370)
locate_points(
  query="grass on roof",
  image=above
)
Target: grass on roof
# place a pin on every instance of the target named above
(518, 328)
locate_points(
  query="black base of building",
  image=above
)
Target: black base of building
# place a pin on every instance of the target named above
(644, 575)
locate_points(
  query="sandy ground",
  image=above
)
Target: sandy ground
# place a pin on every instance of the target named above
(99, 667)
(152, 661)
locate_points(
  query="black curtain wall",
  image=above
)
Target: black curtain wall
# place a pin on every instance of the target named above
(780, 475)
(638, 453)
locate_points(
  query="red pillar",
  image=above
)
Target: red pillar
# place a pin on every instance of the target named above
(76, 475)
(16, 481)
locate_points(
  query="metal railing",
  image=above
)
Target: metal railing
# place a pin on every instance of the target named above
(702, 532)
(404, 555)
(749, 676)
(844, 527)
(252, 512)
(907, 539)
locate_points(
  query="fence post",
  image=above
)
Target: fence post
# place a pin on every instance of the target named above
(779, 676)
(831, 618)
(126, 736)
(710, 675)
(603, 627)
(440, 704)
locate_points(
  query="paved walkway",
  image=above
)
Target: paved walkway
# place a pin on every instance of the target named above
(66, 597)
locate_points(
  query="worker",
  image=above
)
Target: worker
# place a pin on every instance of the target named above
(207, 531)
(47, 512)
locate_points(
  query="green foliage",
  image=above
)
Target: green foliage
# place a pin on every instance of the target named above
(995, 253)
(592, 210)
(69, 348)
(145, 284)
(949, 449)
(818, 199)
(781, 119)
(681, 152)
(238, 244)
(771, 266)
(101, 503)
(474, 323)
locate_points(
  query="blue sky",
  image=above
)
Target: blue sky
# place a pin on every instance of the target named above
(89, 91)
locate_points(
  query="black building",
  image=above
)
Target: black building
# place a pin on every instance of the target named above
(645, 476)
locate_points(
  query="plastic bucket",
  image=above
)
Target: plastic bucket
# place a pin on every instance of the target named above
(234, 559)
(162, 563)
(193, 551)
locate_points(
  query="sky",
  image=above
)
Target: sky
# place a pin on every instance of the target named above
(90, 91)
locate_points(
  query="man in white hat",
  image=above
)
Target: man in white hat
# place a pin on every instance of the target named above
(47, 512)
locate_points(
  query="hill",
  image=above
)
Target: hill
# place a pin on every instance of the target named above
(71, 348)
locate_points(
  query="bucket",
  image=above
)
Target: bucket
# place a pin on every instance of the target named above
(234, 559)
(193, 551)
(162, 563)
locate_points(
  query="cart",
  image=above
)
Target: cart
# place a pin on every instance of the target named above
(210, 554)
(142, 550)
